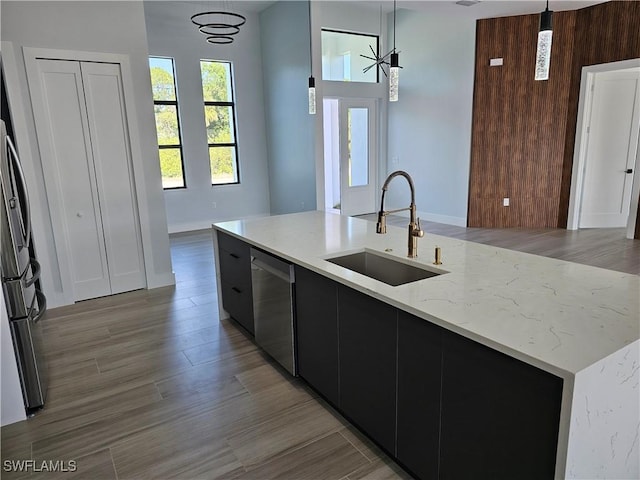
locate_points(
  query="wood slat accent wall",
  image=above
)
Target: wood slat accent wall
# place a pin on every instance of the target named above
(523, 131)
(518, 123)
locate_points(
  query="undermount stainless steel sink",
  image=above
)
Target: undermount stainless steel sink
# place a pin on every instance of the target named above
(390, 271)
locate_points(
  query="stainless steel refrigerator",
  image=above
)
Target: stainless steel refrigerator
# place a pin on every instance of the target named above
(20, 272)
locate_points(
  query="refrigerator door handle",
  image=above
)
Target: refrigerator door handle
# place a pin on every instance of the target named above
(42, 306)
(27, 204)
(35, 273)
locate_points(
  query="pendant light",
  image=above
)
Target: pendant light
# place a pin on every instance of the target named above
(543, 53)
(394, 68)
(312, 81)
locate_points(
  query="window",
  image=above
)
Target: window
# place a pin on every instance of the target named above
(165, 107)
(342, 58)
(219, 116)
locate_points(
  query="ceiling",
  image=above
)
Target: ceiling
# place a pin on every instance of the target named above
(483, 9)
(491, 8)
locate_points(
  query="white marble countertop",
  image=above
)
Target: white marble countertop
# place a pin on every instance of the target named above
(556, 315)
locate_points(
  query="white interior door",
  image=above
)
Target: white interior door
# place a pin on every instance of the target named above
(611, 149)
(358, 156)
(114, 176)
(70, 175)
(86, 158)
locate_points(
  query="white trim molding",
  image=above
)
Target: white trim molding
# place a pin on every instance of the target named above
(579, 152)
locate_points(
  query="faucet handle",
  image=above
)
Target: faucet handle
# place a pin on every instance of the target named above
(417, 231)
(381, 225)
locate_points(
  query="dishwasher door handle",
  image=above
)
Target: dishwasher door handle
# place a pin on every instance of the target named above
(273, 271)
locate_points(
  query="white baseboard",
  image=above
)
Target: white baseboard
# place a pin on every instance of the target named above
(161, 280)
(206, 224)
(189, 227)
(434, 217)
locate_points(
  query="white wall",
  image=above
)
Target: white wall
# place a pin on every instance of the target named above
(109, 27)
(290, 128)
(430, 125)
(170, 33)
(11, 402)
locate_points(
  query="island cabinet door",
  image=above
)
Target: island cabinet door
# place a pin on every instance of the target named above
(317, 332)
(500, 416)
(367, 336)
(235, 276)
(419, 373)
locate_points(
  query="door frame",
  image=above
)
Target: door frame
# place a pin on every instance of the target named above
(31, 55)
(580, 146)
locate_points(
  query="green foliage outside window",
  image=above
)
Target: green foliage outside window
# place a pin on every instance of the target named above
(167, 123)
(171, 167)
(219, 120)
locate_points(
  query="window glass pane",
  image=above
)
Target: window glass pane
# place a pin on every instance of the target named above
(216, 81)
(342, 60)
(219, 121)
(358, 119)
(167, 124)
(223, 165)
(162, 78)
(171, 168)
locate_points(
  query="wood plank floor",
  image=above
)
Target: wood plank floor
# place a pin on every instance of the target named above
(151, 384)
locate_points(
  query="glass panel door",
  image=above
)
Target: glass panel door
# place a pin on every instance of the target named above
(358, 155)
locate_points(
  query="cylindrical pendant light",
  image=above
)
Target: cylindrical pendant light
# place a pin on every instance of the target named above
(394, 77)
(312, 95)
(543, 53)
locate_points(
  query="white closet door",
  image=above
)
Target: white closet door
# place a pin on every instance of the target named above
(112, 159)
(61, 121)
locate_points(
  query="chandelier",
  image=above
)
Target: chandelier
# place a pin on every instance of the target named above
(218, 26)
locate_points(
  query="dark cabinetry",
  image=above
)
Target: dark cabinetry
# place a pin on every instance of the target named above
(367, 335)
(500, 416)
(317, 332)
(444, 406)
(235, 275)
(419, 373)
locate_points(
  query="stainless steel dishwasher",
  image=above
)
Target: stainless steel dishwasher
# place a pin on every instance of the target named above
(273, 283)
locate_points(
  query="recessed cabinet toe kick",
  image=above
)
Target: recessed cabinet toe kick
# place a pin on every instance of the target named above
(481, 373)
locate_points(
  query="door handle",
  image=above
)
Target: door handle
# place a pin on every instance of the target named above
(629, 170)
(13, 156)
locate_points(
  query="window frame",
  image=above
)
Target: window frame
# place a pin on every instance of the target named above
(232, 105)
(359, 34)
(177, 146)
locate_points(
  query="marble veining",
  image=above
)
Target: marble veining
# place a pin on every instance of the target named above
(557, 315)
(605, 419)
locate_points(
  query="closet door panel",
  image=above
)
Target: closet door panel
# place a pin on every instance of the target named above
(70, 176)
(112, 159)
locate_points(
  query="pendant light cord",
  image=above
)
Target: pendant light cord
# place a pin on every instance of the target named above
(394, 24)
(310, 49)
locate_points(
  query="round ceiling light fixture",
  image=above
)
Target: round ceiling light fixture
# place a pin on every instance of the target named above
(218, 26)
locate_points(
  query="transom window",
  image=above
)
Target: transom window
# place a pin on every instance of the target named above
(220, 121)
(342, 59)
(165, 107)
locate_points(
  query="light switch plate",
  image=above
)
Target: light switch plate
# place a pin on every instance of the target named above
(495, 62)
(505, 202)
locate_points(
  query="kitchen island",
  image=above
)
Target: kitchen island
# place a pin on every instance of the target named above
(577, 323)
